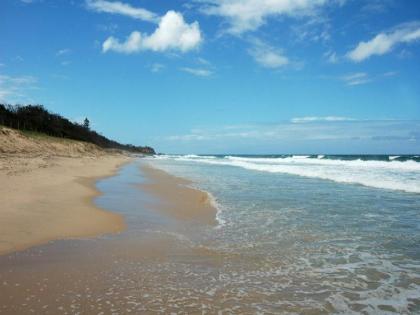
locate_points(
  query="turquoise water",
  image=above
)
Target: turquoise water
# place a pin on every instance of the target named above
(314, 234)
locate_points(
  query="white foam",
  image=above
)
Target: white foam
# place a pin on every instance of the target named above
(392, 175)
(213, 201)
(300, 157)
(392, 165)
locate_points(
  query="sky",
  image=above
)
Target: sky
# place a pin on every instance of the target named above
(222, 76)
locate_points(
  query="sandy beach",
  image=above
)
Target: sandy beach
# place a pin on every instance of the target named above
(50, 197)
(47, 190)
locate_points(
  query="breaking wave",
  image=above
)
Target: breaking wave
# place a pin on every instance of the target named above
(401, 173)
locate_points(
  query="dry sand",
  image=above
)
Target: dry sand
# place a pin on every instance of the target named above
(47, 190)
(178, 199)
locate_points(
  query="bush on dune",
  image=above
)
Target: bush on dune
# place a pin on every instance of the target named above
(37, 119)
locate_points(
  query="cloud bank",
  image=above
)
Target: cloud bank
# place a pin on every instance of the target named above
(311, 119)
(318, 129)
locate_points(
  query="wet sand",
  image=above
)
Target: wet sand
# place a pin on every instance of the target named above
(178, 198)
(136, 271)
(50, 198)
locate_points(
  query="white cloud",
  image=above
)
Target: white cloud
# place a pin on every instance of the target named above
(109, 28)
(356, 78)
(13, 88)
(199, 72)
(189, 137)
(60, 76)
(121, 8)
(157, 67)
(384, 42)
(62, 52)
(331, 57)
(3, 95)
(359, 78)
(173, 33)
(17, 80)
(18, 59)
(377, 6)
(390, 74)
(309, 119)
(268, 56)
(316, 28)
(203, 61)
(132, 44)
(248, 15)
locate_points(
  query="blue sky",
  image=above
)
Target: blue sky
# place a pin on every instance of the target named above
(222, 76)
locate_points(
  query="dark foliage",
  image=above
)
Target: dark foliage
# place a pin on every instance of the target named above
(36, 118)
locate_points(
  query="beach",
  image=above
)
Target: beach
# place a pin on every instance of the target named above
(47, 190)
(201, 236)
(52, 199)
(74, 247)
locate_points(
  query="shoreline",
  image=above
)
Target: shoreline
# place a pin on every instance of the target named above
(52, 198)
(177, 198)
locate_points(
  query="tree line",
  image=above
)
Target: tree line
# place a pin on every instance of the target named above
(38, 119)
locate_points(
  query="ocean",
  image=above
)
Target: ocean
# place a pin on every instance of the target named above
(309, 234)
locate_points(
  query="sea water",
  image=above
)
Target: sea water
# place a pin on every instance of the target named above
(315, 234)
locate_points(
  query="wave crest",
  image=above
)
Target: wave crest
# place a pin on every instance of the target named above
(392, 174)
